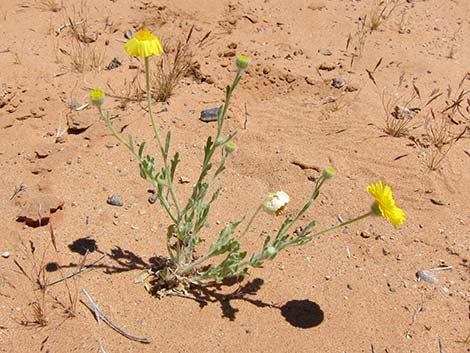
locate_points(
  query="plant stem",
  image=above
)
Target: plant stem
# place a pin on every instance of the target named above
(370, 213)
(118, 136)
(250, 221)
(157, 136)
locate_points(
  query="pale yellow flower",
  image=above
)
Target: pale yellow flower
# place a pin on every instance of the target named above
(384, 204)
(276, 203)
(143, 44)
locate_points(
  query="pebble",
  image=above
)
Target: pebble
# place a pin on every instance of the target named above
(6, 254)
(290, 78)
(310, 81)
(427, 276)
(385, 251)
(153, 198)
(183, 180)
(325, 52)
(128, 34)
(327, 67)
(337, 82)
(209, 115)
(114, 200)
(114, 64)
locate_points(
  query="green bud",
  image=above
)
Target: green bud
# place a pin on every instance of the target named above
(271, 251)
(328, 173)
(243, 61)
(219, 141)
(230, 147)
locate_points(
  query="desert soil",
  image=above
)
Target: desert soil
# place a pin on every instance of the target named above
(351, 290)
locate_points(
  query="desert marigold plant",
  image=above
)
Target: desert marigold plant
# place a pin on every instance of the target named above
(224, 257)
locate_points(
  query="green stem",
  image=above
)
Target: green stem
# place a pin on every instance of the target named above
(342, 224)
(250, 221)
(118, 136)
(312, 198)
(157, 136)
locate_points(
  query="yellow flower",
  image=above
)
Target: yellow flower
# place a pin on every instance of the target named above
(385, 204)
(97, 97)
(276, 203)
(143, 44)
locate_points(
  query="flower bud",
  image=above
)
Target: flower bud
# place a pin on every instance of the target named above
(230, 147)
(271, 251)
(243, 61)
(219, 141)
(328, 173)
(97, 97)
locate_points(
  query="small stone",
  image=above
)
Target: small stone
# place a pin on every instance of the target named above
(365, 234)
(464, 278)
(348, 286)
(153, 198)
(114, 64)
(327, 277)
(266, 70)
(385, 251)
(232, 45)
(324, 51)
(337, 82)
(114, 200)
(128, 34)
(327, 67)
(209, 115)
(427, 276)
(309, 81)
(290, 78)
(5, 254)
(229, 53)
(183, 180)
(351, 88)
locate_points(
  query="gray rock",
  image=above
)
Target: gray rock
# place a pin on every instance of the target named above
(114, 64)
(115, 200)
(337, 82)
(325, 52)
(153, 198)
(5, 254)
(427, 276)
(128, 34)
(209, 115)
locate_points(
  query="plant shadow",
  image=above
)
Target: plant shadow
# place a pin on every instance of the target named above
(298, 313)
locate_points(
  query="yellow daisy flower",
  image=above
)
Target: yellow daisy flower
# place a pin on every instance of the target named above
(143, 44)
(384, 204)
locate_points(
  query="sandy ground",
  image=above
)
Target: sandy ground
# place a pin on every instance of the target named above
(352, 290)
